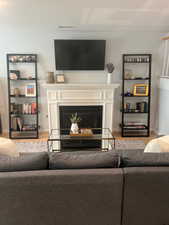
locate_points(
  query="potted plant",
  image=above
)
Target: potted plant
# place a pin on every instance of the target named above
(75, 119)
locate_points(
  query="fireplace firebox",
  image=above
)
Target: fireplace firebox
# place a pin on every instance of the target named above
(91, 117)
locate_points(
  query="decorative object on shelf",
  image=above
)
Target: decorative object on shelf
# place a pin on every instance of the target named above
(129, 74)
(128, 93)
(136, 59)
(22, 58)
(110, 68)
(50, 78)
(75, 119)
(29, 77)
(14, 74)
(140, 90)
(137, 125)
(17, 92)
(60, 78)
(30, 90)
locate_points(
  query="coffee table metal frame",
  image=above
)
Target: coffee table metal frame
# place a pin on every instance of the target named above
(102, 134)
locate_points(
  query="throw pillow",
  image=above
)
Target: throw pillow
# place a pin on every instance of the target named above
(25, 162)
(83, 160)
(145, 159)
(158, 145)
(8, 147)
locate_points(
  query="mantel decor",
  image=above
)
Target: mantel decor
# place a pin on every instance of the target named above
(110, 69)
(60, 78)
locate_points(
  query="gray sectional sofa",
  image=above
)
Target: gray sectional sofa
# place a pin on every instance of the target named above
(47, 195)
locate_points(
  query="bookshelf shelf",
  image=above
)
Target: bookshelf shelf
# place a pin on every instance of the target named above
(140, 103)
(23, 114)
(136, 62)
(22, 96)
(22, 131)
(23, 106)
(23, 62)
(137, 79)
(135, 112)
(136, 96)
(135, 128)
(22, 79)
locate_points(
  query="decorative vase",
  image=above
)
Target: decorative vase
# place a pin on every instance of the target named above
(109, 78)
(50, 78)
(74, 128)
(17, 91)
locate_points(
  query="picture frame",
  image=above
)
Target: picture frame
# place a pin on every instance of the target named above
(60, 78)
(30, 90)
(140, 90)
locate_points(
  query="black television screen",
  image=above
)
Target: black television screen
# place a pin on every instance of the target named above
(80, 54)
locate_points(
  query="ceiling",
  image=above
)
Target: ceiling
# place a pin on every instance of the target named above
(91, 15)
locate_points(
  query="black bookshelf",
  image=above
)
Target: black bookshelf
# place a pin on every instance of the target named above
(23, 109)
(140, 127)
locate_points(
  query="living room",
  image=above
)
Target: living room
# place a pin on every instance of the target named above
(85, 86)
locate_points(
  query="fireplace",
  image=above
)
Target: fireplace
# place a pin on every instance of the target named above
(63, 95)
(91, 117)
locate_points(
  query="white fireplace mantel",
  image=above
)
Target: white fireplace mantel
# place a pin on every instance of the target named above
(82, 95)
(70, 86)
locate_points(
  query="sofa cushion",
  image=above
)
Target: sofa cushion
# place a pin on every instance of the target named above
(83, 160)
(25, 162)
(139, 159)
(8, 147)
(158, 145)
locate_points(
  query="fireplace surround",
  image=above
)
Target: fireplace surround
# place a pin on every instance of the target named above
(59, 95)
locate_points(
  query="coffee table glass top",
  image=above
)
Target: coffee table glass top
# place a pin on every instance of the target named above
(101, 134)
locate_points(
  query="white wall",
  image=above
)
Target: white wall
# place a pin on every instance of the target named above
(30, 40)
(163, 125)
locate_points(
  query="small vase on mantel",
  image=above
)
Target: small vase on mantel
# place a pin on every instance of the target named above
(50, 78)
(109, 78)
(110, 69)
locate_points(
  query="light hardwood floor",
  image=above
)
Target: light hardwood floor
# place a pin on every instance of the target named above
(44, 136)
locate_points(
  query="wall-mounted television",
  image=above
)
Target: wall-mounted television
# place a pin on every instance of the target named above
(80, 54)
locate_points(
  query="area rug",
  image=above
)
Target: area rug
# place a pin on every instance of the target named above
(42, 145)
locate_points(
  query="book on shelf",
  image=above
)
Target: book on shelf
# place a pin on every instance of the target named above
(33, 108)
(19, 123)
(28, 127)
(26, 108)
(16, 123)
(134, 125)
(142, 106)
(136, 107)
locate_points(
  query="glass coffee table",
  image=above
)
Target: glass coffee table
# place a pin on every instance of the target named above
(61, 140)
